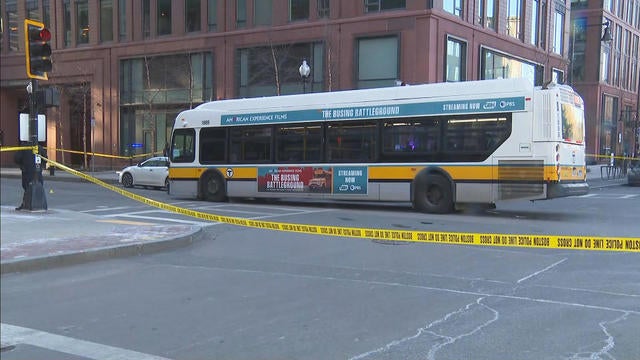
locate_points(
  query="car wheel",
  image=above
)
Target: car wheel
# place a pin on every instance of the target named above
(127, 180)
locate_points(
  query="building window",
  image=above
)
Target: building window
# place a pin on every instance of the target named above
(241, 14)
(323, 9)
(615, 71)
(579, 4)
(557, 76)
(66, 10)
(456, 67)
(12, 25)
(164, 17)
(453, 6)
(558, 30)
(146, 18)
(106, 20)
(379, 5)
(514, 16)
(262, 12)
(535, 22)
(382, 72)
(635, 62)
(122, 20)
(82, 22)
(258, 75)
(192, 16)
(608, 127)
(605, 58)
(46, 12)
(487, 13)
(212, 15)
(33, 10)
(298, 10)
(151, 101)
(577, 50)
(495, 65)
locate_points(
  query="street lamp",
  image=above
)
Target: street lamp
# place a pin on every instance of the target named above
(304, 71)
(606, 35)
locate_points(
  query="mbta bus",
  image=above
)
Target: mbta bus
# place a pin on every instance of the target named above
(435, 145)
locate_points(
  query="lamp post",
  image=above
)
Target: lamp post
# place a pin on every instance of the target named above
(304, 71)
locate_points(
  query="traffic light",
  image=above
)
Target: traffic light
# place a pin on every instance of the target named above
(37, 49)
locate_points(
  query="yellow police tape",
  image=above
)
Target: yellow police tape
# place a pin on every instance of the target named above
(608, 243)
(106, 155)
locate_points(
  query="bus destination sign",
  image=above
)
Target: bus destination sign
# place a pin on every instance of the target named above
(509, 104)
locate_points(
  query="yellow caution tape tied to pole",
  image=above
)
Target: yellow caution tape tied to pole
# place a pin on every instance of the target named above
(599, 243)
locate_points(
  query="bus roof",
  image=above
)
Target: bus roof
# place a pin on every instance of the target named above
(307, 107)
(434, 90)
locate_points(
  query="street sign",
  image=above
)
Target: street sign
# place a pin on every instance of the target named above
(24, 127)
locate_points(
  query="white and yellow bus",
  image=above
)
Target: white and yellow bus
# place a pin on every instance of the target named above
(435, 145)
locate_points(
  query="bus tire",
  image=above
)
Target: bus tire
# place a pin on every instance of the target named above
(212, 187)
(432, 194)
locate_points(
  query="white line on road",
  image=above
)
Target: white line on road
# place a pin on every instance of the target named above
(541, 271)
(106, 209)
(161, 219)
(15, 335)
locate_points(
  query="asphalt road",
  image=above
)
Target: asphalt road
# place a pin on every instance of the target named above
(246, 293)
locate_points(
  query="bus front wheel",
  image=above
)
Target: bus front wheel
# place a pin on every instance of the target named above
(212, 188)
(432, 194)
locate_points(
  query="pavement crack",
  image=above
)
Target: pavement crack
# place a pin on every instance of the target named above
(463, 322)
(609, 342)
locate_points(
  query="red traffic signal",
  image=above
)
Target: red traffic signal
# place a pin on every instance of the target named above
(37, 49)
(42, 35)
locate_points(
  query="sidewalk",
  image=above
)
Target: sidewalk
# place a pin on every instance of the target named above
(36, 240)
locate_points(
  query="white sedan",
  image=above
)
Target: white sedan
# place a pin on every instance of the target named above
(151, 172)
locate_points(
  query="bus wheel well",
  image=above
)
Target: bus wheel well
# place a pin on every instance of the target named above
(432, 191)
(212, 186)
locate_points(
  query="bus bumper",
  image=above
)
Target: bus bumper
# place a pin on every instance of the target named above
(557, 190)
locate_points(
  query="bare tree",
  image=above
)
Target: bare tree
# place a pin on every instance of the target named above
(148, 122)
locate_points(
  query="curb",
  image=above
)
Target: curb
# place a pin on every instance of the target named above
(101, 253)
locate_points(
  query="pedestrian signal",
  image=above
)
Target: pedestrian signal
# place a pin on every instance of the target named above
(37, 49)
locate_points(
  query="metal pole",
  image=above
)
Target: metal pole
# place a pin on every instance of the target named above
(34, 197)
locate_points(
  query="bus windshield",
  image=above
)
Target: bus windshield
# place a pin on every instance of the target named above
(572, 124)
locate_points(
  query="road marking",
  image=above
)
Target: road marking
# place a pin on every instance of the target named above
(541, 271)
(14, 335)
(124, 222)
(106, 209)
(630, 196)
(160, 219)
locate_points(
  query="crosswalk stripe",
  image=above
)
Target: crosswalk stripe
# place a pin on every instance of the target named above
(15, 335)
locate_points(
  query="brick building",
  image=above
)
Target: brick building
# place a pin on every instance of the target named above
(605, 72)
(125, 68)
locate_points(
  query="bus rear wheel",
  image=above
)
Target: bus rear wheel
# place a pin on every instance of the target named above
(212, 187)
(432, 194)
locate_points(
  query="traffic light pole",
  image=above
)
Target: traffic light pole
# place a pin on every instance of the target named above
(34, 197)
